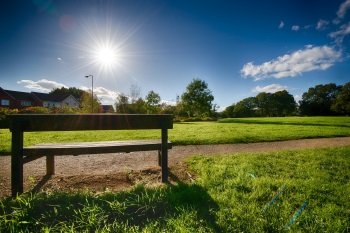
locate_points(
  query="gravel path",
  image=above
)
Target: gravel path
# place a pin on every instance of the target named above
(122, 170)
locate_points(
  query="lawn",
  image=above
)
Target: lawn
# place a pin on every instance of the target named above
(240, 130)
(248, 192)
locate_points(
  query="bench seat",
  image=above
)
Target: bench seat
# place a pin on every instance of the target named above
(79, 148)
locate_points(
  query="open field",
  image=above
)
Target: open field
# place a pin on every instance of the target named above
(231, 193)
(240, 130)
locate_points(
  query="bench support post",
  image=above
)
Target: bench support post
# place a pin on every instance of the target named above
(50, 165)
(164, 155)
(17, 160)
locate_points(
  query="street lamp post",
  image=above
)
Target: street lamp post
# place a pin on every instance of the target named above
(92, 92)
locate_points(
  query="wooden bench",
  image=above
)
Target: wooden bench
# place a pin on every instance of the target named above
(20, 123)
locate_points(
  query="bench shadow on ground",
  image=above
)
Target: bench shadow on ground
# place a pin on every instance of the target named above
(176, 200)
(41, 183)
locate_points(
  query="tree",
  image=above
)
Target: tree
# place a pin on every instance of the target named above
(341, 103)
(245, 108)
(122, 103)
(135, 93)
(152, 102)
(228, 112)
(77, 93)
(264, 102)
(197, 100)
(283, 103)
(86, 103)
(317, 101)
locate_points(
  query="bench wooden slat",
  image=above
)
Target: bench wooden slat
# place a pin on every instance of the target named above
(79, 148)
(73, 122)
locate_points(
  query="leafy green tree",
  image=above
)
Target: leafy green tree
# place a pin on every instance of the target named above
(245, 108)
(283, 103)
(86, 103)
(341, 103)
(197, 100)
(77, 93)
(317, 101)
(152, 102)
(228, 112)
(264, 104)
(122, 104)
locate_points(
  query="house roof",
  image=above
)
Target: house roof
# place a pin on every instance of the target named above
(18, 95)
(49, 97)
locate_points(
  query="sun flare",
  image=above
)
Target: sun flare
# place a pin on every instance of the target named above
(106, 56)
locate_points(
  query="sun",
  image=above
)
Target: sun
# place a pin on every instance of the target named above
(106, 56)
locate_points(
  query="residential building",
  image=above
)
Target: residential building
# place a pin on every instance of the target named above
(20, 100)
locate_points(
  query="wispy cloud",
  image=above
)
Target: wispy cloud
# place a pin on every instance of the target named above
(309, 59)
(341, 33)
(343, 8)
(270, 88)
(104, 95)
(322, 24)
(281, 25)
(42, 85)
(295, 28)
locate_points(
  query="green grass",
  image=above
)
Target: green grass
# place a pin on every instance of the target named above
(228, 196)
(240, 130)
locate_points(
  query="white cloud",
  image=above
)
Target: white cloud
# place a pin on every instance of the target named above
(341, 33)
(297, 98)
(309, 59)
(104, 95)
(295, 28)
(343, 8)
(168, 102)
(42, 85)
(281, 25)
(322, 24)
(270, 88)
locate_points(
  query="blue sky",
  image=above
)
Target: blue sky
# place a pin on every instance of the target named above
(240, 48)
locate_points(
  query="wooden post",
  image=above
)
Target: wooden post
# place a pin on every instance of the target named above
(17, 159)
(164, 155)
(50, 165)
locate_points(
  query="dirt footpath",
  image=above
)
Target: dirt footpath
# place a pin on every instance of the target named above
(120, 171)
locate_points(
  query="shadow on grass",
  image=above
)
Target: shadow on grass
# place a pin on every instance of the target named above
(138, 208)
(264, 122)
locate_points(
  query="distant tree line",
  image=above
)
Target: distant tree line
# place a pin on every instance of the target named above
(321, 100)
(280, 103)
(197, 103)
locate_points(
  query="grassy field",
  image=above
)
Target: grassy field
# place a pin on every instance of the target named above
(234, 193)
(239, 130)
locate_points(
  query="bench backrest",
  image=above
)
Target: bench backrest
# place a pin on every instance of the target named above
(73, 122)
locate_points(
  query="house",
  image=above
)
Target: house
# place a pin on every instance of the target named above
(16, 99)
(20, 100)
(54, 100)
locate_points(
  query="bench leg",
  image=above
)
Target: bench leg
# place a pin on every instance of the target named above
(50, 165)
(164, 155)
(17, 162)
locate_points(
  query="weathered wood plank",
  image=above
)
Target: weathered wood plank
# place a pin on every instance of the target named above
(80, 148)
(73, 122)
(17, 160)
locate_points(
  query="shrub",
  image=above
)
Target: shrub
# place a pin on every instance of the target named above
(34, 110)
(3, 113)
